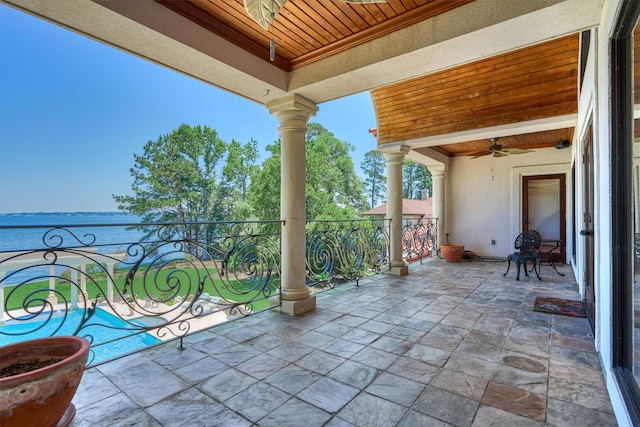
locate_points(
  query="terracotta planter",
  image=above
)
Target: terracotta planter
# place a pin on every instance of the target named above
(452, 253)
(38, 379)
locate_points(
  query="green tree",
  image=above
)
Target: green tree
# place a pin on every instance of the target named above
(264, 190)
(175, 180)
(415, 178)
(236, 177)
(375, 183)
(334, 190)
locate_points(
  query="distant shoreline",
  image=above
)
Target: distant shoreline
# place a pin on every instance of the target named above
(66, 213)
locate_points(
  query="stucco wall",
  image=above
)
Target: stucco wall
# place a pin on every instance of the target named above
(602, 215)
(480, 209)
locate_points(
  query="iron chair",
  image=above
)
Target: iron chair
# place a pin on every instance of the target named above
(527, 247)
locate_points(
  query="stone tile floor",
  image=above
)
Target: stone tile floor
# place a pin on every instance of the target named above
(447, 345)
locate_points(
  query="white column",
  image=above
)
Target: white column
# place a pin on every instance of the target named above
(394, 158)
(2, 273)
(110, 283)
(83, 281)
(293, 113)
(74, 289)
(52, 297)
(437, 182)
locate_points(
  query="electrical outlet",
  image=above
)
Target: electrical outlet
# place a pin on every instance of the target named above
(493, 242)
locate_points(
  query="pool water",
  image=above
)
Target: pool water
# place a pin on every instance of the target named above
(110, 337)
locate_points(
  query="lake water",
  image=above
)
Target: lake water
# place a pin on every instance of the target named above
(32, 237)
(107, 232)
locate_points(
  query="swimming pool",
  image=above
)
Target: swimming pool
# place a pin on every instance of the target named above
(110, 337)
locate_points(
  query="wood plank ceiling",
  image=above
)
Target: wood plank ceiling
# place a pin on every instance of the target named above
(532, 83)
(306, 31)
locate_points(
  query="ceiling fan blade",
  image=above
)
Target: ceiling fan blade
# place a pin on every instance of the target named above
(498, 153)
(517, 151)
(263, 11)
(479, 154)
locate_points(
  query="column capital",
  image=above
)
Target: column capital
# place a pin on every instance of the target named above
(437, 173)
(293, 102)
(395, 153)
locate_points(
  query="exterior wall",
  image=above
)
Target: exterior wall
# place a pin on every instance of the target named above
(603, 220)
(480, 209)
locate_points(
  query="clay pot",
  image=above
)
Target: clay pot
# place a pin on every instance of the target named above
(38, 379)
(452, 253)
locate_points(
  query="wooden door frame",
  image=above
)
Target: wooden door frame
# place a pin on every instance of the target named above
(587, 223)
(563, 206)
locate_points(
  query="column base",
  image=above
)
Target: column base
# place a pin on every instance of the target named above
(398, 270)
(295, 308)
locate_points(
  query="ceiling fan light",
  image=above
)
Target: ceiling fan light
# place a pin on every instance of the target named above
(263, 11)
(562, 144)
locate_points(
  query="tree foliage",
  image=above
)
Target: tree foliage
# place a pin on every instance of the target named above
(264, 191)
(236, 173)
(375, 182)
(415, 178)
(178, 178)
(333, 189)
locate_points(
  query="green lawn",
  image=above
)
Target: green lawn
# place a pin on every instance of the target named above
(159, 284)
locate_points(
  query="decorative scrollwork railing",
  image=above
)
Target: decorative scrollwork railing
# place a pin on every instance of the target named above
(419, 239)
(343, 251)
(176, 278)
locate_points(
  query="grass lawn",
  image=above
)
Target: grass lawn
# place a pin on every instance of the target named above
(158, 284)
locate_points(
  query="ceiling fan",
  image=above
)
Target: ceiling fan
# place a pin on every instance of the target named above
(263, 11)
(498, 151)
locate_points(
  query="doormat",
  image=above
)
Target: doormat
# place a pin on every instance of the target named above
(559, 306)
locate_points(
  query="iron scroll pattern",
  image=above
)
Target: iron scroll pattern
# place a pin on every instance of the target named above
(344, 251)
(171, 282)
(419, 239)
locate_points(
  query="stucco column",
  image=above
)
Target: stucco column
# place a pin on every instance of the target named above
(293, 113)
(393, 159)
(437, 182)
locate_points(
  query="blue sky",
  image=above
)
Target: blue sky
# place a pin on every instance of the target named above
(74, 111)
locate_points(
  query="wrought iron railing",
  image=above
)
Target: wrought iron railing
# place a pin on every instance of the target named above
(343, 251)
(126, 286)
(419, 239)
(173, 279)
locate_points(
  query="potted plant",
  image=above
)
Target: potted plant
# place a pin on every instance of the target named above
(452, 253)
(38, 379)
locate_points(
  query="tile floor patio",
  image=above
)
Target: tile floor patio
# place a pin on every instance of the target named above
(450, 344)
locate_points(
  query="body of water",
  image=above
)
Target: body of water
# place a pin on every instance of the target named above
(104, 232)
(34, 234)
